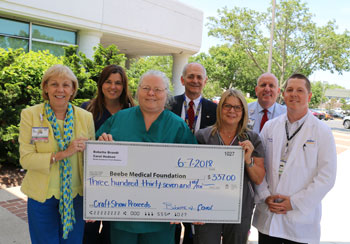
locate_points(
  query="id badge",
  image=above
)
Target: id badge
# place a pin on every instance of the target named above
(40, 134)
(251, 123)
(281, 168)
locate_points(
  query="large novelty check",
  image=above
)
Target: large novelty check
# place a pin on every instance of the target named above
(163, 182)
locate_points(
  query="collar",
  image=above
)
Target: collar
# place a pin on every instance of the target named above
(298, 122)
(196, 101)
(270, 109)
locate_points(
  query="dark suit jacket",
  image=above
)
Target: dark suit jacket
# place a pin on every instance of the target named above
(208, 112)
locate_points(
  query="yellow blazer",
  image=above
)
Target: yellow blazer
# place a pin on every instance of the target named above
(35, 158)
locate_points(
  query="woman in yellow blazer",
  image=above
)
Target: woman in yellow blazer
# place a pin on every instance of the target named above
(52, 138)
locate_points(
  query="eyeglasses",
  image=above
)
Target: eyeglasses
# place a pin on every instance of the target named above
(228, 107)
(156, 90)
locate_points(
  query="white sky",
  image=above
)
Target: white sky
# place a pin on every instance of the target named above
(323, 10)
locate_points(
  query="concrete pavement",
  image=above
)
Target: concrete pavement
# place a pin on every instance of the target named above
(13, 217)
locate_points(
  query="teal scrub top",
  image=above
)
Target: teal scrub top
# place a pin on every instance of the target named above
(129, 125)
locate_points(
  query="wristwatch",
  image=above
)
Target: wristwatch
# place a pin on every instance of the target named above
(251, 163)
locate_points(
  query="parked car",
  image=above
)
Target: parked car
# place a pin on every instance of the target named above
(216, 100)
(346, 122)
(336, 114)
(318, 114)
(327, 115)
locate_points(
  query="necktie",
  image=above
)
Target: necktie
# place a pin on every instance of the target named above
(190, 113)
(264, 119)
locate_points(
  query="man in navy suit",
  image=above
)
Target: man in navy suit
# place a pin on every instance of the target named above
(194, 78)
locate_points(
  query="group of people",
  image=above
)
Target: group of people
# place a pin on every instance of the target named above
(288, 167)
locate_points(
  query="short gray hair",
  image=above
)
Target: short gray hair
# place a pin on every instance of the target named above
(184, 71)
(166, 83)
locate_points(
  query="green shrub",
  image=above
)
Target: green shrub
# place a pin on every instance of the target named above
(20, 79)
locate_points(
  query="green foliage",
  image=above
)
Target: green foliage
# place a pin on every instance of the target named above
(345, 107)
(20, 79)
(250, 100)
(20, 85)
(88, 71)
(141, 65)
(318, 90)
(229, 67)
(299, 44)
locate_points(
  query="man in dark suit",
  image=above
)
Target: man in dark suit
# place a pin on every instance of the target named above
(194, 78)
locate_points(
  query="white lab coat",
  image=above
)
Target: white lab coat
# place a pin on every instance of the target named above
(309, 174)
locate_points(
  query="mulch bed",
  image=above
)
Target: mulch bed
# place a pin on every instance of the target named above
(10, 176)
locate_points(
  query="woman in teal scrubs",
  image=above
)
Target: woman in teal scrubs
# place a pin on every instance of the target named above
(148, 122)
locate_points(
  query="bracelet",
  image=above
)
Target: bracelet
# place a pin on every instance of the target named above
(251, 163)
(53, 158)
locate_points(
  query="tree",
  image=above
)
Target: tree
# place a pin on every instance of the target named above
(317, 89)
(344, 105)
(228, 67)
(141, 65)
(331, 104)
(299, 44)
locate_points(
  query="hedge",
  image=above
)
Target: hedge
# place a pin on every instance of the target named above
(20, 79)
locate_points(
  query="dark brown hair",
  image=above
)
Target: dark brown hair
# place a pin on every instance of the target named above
(300, 77)
(96, 105)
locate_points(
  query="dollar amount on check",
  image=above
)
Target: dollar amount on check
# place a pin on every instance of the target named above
(163, 182)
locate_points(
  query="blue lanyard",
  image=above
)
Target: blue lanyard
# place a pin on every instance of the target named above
(196, 115)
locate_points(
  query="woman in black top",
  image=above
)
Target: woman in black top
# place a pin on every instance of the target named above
(112, 96)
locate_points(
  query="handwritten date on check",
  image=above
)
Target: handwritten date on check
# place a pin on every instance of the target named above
(128, 181)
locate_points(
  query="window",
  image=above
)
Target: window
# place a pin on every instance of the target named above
(14, 28)
(16, 34)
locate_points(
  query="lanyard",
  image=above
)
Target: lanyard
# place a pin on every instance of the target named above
(222, 142)
(296, 132)
(196, 114)
(285, 154)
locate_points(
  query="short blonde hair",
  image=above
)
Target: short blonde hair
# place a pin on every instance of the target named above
(59, 70)
(242, 125)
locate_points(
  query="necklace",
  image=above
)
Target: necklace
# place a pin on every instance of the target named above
(222, 141)
(229, 136)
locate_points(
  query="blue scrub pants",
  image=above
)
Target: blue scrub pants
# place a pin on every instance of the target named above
(45, 224)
